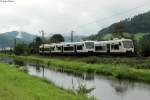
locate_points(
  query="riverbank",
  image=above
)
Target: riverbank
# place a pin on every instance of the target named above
(17, 85)
(117, 70)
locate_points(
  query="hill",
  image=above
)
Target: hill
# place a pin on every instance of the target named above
(137, 24)
(7, 39)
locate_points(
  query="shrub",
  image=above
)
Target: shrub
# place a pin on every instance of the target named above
(145, 45)
(21, 49)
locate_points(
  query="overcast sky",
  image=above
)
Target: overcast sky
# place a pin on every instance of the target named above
(85, 17)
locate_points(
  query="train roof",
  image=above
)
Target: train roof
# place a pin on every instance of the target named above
(75, 42)
(45, 45)
(112, 41)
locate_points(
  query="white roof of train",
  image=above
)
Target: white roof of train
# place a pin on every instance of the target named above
(45, 45)
(112, 41)
(64, 43)
(78, 43)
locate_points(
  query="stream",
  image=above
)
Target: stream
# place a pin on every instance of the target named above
(106, 88)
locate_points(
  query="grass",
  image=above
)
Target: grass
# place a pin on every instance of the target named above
(17, 85)
(138, 36)
(122, 68)
(134, 62)
(107, 36)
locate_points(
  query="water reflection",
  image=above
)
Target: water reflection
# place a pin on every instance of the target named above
(19, 62)
(120, 87)
(41, 67)
(7, 60)
(38, 68)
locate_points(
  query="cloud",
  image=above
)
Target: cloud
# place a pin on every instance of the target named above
(61, 16)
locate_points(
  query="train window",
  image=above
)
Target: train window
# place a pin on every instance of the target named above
(68, 48)
(119, 43)
(89, 45)
(46, 49)
(99, 48)
(79, 47)
(58, 48)
(128, 44)
(52, 48)
(41, 49)
(115, 46)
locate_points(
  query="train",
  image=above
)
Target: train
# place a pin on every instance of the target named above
(115, 46)
(8, 50)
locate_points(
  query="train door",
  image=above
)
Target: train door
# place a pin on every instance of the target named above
(75, 48)
(62, 49)
(50, 50)
(108, 48)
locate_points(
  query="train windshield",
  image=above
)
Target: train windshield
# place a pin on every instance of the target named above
(89, 45)
(128, 44)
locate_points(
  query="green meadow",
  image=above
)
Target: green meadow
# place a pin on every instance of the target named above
(18, 85)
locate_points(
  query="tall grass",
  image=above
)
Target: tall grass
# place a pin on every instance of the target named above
(116, 67)
(135, 62)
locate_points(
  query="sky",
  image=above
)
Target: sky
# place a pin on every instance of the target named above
(85, 17)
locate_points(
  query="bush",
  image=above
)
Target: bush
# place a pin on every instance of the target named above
(91, 60)
(145, 45)
(21, 49)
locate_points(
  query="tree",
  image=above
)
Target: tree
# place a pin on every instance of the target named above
(38, 41)
(34, 46)
(145, 45)
(137, 24)
(56, 38)
(21, 49)
(119, 29)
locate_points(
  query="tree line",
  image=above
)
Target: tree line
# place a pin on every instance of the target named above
(139, 23)
(33, 48)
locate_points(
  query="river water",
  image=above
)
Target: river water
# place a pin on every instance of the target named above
(105, 88)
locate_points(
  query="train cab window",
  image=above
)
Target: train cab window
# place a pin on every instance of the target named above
(115, 46)
(128, 44)
(68, 48)
(89, 45)
(79, 47)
